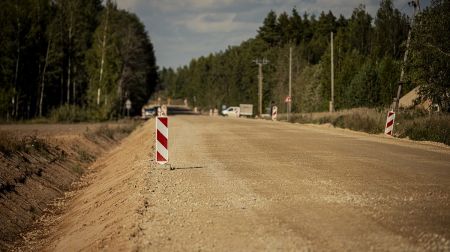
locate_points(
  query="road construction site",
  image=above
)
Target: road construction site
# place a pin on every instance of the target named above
(256, 185)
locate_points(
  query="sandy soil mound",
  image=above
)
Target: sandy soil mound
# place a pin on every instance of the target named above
(38, 163)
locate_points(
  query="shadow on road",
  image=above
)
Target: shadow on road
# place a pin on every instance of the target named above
(178, 110)
(188, 168)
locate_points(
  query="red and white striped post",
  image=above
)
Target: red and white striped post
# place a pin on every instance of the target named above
(274, 113)
(389, 128)
(162, 140)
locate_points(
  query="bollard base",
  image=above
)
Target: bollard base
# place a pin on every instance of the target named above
(171, 168)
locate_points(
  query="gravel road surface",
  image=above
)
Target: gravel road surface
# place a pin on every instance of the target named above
(254, 185)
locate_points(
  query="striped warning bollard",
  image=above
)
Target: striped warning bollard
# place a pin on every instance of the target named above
(389, 129)
(274, 113)
(162, 140)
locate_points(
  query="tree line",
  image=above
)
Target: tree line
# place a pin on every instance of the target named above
(72, 54)
(368, 57)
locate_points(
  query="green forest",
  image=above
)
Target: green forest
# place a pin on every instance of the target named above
(82, 59)
(368, 58)
(72, 58)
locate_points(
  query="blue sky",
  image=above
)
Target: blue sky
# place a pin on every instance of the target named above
(184, 29)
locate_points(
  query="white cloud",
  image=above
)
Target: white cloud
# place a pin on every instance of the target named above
(214, 22)
(191, 5)
(128, 4)
(182, 29)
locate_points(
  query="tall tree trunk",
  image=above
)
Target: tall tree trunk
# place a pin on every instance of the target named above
(69, 52)
(16, 74)
(36, 105)
(61, 39)
(61, 98)
(120, 86)
(41, 98)
(74, 86)
(68, 82)
(103, 50)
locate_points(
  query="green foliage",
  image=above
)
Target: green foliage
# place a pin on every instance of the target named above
(361, 119)
(360, 30)
(435, 128)
(308, 90)
(348, 81)
(414, 124)
(364, 87)
(129, 64)
(270, 31)
(359, 122)
(388, 77)
(69, 113)
(367, 67)
(49, 58)
(391, 30)
(430, 54)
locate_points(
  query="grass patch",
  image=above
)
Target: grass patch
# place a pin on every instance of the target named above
(360, 122)
(78, 169)
(362, 119)
(10, 144)
(84, 156)
(414, 124)
(106, 131)
(434, 128)
(69, 113)
(112, 132)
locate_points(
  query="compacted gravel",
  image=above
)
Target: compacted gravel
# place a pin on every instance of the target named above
(252, 185)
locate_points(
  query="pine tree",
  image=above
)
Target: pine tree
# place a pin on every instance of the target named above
(269, 32)
(391, 30)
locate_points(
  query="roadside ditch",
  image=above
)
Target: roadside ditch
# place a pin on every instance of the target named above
(36, 170)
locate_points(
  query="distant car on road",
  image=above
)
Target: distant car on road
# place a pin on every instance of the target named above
(231, 111)
(149, 112)
(243, 110)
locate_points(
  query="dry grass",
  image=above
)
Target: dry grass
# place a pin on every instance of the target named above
(414, 124)
(112, 132)
(10, 144)
(361, 119)
(435, 127)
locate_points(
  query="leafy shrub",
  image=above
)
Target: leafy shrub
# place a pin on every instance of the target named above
(69, 113)
(415, 124)
(359, 122)
(429, 128)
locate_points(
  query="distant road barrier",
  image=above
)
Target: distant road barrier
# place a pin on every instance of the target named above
(274, 113)
(389, 128)
(162, 140)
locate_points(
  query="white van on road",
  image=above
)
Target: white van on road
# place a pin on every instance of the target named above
(231, 112)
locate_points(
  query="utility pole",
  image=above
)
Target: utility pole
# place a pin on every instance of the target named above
(395, 104)
(290, 83)
(332, 76)
(260, 81)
